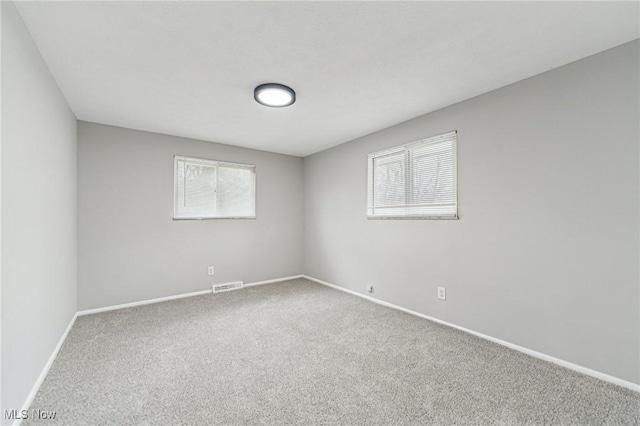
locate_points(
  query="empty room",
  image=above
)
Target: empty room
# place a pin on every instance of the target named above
(350, 213)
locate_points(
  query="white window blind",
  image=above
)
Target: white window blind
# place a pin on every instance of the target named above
(208, 189)
(417, 180)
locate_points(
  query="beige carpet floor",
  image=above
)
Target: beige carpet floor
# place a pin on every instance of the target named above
(301, 353)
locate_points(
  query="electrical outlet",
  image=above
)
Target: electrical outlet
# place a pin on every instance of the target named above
(370, 288)
(210, 270)
(442, 293)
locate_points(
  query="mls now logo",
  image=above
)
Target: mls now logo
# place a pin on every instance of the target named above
(24, 414)
(16, 415)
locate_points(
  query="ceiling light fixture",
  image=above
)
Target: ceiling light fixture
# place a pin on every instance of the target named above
(274, 95)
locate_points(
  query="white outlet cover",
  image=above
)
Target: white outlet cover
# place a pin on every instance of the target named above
(442, 293)
(210, 270)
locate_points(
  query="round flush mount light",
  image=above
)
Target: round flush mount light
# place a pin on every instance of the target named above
(274, 95)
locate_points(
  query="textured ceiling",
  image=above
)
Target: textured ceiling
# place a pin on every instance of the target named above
(189, 68)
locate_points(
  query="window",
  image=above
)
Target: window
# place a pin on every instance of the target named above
(208, 189)
(417, 180)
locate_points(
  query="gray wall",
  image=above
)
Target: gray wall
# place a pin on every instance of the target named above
(545, 254)
(39, 189)
(130, 249)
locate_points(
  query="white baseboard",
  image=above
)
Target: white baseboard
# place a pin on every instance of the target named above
(563, 363)
(177, 296)
(277, 280)
(45, 370)
(141, 302)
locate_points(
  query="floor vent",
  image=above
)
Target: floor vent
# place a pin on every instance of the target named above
(218, 288)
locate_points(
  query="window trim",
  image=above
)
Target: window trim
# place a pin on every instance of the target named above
(218, 162)
(453, 135)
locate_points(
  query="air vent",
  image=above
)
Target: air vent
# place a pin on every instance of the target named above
(219, 288)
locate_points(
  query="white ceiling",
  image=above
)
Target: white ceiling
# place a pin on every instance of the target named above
(189, 68)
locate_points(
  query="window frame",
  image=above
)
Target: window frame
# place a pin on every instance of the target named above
(406, 148)
(218, 163)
